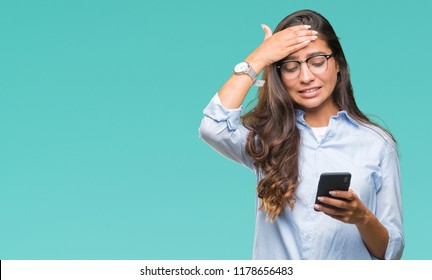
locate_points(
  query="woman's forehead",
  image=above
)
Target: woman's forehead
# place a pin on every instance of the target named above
(316, 47)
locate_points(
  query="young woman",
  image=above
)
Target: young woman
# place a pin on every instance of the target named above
(306, 122)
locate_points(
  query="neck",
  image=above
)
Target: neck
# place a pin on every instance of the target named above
(320, 117)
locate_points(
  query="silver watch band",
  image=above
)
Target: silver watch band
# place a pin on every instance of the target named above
(245, 68)
(251, 73)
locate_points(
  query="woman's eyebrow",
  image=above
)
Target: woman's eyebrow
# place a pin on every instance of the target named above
(295, 57)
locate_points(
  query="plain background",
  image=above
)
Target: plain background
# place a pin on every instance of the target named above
(100, 102)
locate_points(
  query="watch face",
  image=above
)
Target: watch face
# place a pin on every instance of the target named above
(241, 67)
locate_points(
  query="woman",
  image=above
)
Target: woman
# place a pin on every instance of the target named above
(306, 122)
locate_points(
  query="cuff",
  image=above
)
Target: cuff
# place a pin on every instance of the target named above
(216, 111)
(395, 246)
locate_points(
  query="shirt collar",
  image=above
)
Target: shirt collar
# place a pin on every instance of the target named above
(340, 115)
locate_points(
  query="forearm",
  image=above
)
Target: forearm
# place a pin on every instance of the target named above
(374, 235)
(353, 211)
(234, 91)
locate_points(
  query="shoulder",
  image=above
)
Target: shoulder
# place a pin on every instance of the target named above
(377, 136)
(364, 131)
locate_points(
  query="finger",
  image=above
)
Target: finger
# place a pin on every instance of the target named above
(334, 202)
(350, 195)
(301, 33)
(298, 27)
(291, 43)
(338, 217)
(267, 31)
(329, 211)
(297, 44)
(297, 33)
(299, 30)
(299, 39)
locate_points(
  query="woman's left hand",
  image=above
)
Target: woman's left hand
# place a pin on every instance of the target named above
(351, 210)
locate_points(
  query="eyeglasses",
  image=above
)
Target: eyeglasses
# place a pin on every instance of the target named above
(317, 64)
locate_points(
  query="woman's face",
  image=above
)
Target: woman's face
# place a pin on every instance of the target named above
(313, 92)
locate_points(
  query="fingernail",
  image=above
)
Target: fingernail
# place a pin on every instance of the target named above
(314, 32)
(314, 37)
(320, 198)
(306, 42)
(332, 192)
(317, 207)
(263, 27)
(307, 26)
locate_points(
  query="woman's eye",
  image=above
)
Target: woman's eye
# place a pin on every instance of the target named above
(290, 67)
(317, 63)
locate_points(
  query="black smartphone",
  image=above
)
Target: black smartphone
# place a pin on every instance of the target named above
(332, 181)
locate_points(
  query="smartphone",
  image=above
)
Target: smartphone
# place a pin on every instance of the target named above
(332, 181)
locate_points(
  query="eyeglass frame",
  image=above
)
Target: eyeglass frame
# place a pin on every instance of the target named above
(327, 57)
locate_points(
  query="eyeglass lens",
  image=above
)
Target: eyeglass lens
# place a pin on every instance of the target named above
(316, 64)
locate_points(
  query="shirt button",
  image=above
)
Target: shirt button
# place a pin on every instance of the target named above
(307, 237)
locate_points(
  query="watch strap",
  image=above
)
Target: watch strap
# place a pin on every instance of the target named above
(251, 73)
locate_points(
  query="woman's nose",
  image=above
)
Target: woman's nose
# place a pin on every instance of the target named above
(306, 76)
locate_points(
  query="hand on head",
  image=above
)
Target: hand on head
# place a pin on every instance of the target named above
(281, 44)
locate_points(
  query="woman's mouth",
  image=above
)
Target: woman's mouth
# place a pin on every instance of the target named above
(309, 92)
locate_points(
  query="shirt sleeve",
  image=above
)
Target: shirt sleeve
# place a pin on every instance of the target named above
(221, 129)
(389, 202)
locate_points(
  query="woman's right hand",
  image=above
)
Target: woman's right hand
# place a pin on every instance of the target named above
(279, 45)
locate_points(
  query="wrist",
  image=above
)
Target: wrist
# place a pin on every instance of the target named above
(245, 68)
(256, 63)
(366, 218)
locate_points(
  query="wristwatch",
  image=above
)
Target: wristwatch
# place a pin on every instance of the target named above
(244, 68)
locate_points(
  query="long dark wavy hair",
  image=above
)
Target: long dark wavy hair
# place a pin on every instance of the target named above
(274, 139)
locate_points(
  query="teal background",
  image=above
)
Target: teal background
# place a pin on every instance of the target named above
(100, 102)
